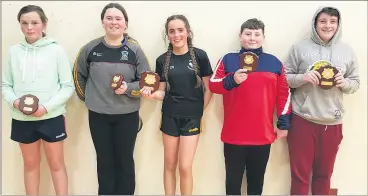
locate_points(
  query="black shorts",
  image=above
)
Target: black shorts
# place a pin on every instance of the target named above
(178, 126)
(50, 130)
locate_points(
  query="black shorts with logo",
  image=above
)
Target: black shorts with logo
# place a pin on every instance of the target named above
(179, 126)
(50, 130)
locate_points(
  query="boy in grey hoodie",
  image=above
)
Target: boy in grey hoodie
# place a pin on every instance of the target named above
(316, 131)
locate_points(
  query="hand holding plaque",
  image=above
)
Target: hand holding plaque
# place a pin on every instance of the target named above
(240, 76)
(340, 80)
(28, 104)
(248, 61)
(116, 81)
(327, 72)
(150, 79)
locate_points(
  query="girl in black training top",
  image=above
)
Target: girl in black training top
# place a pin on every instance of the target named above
(185, 73)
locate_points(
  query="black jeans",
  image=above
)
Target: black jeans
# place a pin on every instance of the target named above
(254, 158)
(114, 139)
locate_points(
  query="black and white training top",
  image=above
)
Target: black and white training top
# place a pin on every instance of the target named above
(182, 99)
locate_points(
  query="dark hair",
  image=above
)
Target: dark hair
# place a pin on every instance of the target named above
(33, 8)
(121, 8)
(190, 47)
(252, 23)
(330, 11)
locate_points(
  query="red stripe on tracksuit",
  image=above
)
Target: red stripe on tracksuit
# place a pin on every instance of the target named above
(249, 107)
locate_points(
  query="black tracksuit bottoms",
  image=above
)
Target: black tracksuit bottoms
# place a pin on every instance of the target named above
(250, 158)
(114, 139)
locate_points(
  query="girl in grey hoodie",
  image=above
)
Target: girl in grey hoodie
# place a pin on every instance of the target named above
(113, 114)
(316, 131)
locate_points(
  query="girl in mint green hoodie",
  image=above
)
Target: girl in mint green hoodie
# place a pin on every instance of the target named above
(40, 67)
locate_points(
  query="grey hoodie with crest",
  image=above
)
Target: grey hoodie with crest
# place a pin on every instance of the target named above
(309, 101)
(96, 64)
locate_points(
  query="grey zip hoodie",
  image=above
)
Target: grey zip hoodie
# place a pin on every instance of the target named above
(310, 101)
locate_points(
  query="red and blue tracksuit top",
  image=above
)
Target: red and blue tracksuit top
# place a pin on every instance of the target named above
(249, 107)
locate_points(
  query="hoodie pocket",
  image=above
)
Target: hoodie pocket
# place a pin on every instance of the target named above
(326, 109)
(339, 103)
(305, 107)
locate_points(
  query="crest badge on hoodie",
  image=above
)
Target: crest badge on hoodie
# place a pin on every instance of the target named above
(124, 55)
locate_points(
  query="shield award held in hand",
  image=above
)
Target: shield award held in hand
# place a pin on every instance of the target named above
(248, 61)
(28, 104)
(327, 72)
(150, 79)
(116, 81)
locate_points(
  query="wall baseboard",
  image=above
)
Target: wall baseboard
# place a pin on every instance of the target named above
(333, 191)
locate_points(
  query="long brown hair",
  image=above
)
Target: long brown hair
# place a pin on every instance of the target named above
(190, 47)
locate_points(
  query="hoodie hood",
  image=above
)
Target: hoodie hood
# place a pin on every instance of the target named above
(315, 37)
(44, 41)
(324, 107)
(31, 49)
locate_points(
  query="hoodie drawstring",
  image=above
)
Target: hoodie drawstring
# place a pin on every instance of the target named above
(326, 128)
(25, 64)
(34, 63)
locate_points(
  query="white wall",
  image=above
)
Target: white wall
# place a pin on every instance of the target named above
(215, 25)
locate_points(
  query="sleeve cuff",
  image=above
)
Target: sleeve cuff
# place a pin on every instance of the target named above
(346, 87)
(284, 122)
(229, 82)
(12, 101)
(132, 90)
(47, 107)
(233, 81)
(299, 79)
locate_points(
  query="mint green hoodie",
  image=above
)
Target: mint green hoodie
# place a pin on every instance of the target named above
(309, 101)
(41, 69)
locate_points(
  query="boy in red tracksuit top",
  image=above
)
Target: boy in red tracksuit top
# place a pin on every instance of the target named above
(249, 102)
